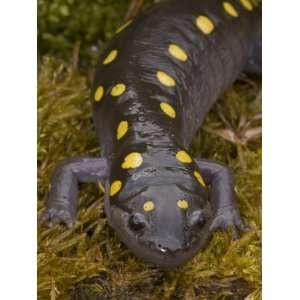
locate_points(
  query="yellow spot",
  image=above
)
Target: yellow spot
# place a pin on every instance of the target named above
(165, 79)
(183, 204)
(132, 160)
(199, 178)
(122, 129)
(110, 57)
(247, 4)
(123, 26)
(148, 206)
(168, 110)
(205, 24)
(118, 89)
(115, 187)
(182, 156)
(99, 94)
(229, 8)
(178, 52)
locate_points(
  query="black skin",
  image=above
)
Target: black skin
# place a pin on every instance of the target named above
(168, 236)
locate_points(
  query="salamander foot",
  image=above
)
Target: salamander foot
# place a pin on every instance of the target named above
(55, 215)
(229, 218)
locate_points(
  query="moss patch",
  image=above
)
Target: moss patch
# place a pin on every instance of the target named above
(224, 270)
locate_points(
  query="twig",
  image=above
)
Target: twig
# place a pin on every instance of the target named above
(134, 9)
(75, 58)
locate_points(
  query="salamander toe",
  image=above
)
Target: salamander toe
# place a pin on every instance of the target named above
(54, 216)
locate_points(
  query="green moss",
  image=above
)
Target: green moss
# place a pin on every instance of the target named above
(62, 23)
(224, 270)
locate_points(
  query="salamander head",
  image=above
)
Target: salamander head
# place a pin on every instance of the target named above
(164, 224)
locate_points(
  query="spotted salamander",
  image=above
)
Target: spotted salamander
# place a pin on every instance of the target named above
(156, 81)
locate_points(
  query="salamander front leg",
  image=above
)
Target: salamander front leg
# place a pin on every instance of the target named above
(222, 196)
(61, 205)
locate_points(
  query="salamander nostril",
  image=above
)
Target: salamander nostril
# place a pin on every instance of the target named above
(162, 248)
(157, 247)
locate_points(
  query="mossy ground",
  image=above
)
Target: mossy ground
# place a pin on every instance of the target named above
(226, 269)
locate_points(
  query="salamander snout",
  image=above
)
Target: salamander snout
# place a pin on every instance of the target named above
(167, 246)
(158, 247)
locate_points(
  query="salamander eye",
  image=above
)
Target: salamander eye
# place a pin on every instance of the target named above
(137, 222)
(197, 218)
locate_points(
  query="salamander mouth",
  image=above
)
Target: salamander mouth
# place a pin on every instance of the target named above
(164, 258)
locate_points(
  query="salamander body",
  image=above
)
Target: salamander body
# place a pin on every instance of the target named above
(155, 83)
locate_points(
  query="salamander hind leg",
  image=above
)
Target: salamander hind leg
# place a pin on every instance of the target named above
(61, 205)
(222, 195)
